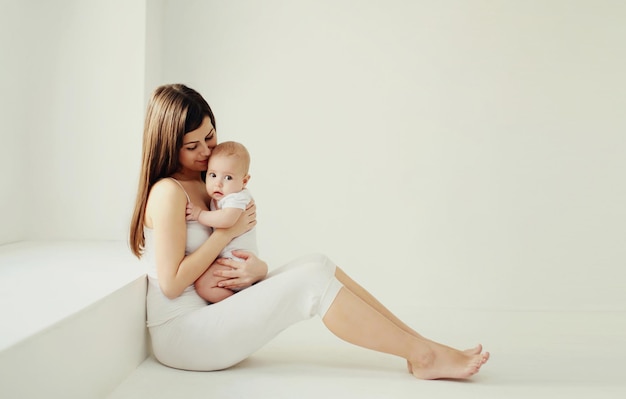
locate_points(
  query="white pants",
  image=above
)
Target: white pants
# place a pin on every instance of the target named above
(221, 335)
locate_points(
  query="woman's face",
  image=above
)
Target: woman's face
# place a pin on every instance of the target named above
(197, 145)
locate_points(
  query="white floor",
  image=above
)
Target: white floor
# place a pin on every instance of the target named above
(534, 355)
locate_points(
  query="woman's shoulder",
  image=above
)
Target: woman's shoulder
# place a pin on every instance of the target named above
(165, 194)
(167, 187)
(165, 199)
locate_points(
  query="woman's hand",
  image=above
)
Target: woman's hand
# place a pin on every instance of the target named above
(245, 223)
(240, 275)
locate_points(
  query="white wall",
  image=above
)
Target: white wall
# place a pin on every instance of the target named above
(446, 153)
(155, 16)
(13, 93)
(71, 163)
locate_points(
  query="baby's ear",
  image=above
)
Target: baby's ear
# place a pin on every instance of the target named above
(246, 179)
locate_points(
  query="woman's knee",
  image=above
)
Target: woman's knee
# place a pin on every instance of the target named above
(317, 264)
(322, 260)
(308, 271)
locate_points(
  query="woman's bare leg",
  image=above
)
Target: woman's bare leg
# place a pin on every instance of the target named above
(354, 320)
(362, 293)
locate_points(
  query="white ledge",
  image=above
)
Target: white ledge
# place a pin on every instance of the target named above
(43, 282)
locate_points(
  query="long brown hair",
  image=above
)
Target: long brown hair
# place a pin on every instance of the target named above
(173, 110)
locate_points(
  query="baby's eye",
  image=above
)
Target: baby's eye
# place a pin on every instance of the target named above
(228, 178)
(212, 175)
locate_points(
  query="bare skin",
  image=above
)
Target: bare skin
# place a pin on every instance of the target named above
(357, 317)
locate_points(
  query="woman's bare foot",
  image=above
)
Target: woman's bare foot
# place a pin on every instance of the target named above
(474, 351)
(471, 351)
(444, 362)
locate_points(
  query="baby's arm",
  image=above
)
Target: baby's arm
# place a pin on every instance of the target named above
(219, 219)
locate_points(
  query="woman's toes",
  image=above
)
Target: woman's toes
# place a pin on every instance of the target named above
(474, 351)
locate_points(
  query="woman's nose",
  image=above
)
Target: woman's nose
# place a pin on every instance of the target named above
(206, 150)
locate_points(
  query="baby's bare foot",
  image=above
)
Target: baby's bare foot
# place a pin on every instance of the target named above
(444, 362)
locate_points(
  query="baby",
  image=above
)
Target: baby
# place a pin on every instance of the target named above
(226, 180)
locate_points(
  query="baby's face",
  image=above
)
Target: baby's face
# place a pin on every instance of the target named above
(225, 175)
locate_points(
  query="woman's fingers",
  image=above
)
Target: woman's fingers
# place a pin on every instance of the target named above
(233, 264)
(238, 273)
(226, 273)
(251, 211)
(233, 283)
(241, 254)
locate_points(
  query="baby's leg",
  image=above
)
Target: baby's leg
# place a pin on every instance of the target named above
(206, 285)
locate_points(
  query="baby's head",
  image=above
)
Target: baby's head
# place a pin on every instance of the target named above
(227, 172)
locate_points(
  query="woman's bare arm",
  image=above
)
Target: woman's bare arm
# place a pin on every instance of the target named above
(165, 212)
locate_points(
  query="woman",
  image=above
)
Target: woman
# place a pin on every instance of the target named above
(188, 333)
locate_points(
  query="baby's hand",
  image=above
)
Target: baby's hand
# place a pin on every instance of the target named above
(192, 212)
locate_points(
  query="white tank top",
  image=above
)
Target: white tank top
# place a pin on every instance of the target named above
(159, 308)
